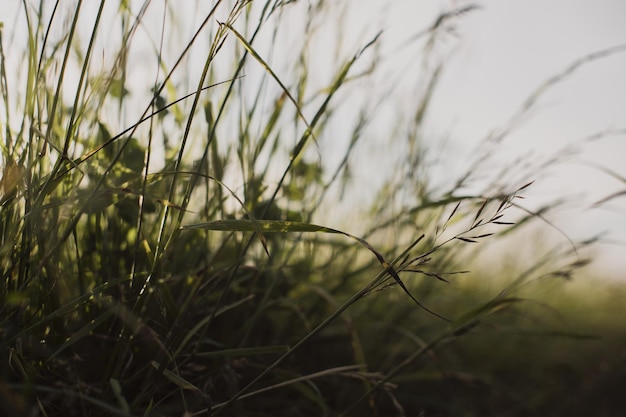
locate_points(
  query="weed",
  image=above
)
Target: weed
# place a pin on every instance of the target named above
(179, 263)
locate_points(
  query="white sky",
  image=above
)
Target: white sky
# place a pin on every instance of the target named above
(506, 50)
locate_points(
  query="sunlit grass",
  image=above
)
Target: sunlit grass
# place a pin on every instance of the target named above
(165, 249)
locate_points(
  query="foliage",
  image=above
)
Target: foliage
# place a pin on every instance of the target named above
(182, 265)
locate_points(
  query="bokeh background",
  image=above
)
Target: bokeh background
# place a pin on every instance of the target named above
(495, 58)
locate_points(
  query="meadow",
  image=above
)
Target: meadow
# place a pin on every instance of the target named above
(185, 230)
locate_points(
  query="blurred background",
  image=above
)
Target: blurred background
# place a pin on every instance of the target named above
(494, 59)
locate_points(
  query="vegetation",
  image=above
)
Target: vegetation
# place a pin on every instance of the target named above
(167, 246)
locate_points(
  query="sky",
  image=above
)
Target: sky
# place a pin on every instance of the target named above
(502, 53)
(511, 47)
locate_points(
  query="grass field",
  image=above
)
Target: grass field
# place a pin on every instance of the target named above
(166, 244)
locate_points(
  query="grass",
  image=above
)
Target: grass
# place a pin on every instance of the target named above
(166, 251)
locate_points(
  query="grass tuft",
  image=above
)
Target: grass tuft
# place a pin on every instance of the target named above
(167, 245)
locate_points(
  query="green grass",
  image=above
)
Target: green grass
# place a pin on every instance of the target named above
(165, 247)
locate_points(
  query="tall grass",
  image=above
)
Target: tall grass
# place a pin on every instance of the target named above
(165, 192)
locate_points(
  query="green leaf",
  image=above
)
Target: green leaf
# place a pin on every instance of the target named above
(278, 226)
(117, 391)
(176, 379)
(266, 226)
(84, 331)
(253, 351)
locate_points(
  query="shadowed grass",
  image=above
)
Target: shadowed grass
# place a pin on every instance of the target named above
(186, 264)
